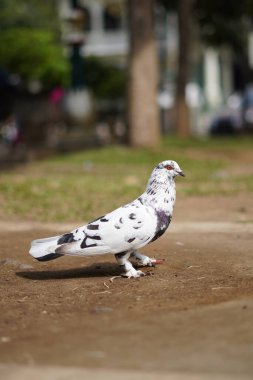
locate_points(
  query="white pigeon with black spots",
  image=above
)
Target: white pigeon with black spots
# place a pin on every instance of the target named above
(123, 231)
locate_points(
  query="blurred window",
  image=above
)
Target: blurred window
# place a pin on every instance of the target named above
(112, 16)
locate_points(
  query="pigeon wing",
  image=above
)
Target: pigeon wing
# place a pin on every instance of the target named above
(126, 228)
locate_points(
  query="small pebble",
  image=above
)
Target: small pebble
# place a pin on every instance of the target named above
(5, 339)
(102, 309)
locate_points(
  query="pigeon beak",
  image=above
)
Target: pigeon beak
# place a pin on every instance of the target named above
(182, 174)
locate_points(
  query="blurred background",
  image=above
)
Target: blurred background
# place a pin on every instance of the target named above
(80, 73)
(121, 85)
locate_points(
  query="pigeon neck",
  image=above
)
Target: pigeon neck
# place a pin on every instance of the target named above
(160, 195)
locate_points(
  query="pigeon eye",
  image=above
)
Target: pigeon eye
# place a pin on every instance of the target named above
(169, 167)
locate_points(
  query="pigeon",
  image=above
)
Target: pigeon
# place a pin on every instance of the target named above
(123, 231)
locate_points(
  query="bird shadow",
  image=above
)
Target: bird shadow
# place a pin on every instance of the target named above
(94, 270)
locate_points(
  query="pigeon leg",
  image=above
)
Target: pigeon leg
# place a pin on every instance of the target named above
(145, 260)
(129, 271)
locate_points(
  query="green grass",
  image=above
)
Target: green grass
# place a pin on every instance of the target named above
(83, 185)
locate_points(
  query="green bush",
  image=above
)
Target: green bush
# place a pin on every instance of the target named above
(34, 54)
(105, 80)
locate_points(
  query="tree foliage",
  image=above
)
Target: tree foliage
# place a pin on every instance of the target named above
(33, 54)
(30, 44)
(223, 22)
(105, 80)
(220, 22)
(28, 13)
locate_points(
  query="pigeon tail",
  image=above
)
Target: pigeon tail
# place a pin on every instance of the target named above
(49, 257)
(44, 249)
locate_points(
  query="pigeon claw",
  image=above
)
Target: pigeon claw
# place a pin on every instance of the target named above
(130, 274)
(154, 262)
(134, 274)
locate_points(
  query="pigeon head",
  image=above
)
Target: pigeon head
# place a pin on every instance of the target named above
(171, 168)
(161, 189)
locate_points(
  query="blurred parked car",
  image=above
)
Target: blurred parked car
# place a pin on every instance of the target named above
(228, 120)
(247, 108)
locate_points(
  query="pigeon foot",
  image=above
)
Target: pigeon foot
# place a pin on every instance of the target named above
(154, 262)
(129, 274)
(129, 270)
(146, 261)
(134, 274)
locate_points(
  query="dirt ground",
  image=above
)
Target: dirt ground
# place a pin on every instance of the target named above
(192, 318)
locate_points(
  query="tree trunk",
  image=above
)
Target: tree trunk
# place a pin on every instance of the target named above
(143, 112)
(184, 26)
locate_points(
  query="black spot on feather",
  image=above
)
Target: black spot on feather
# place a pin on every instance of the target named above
(96, 237)
(131, 240)
(104, 220)
(132, 216)
(92, 227)
(85, 245)
(66, 238)
(143, 239)
(84, 242)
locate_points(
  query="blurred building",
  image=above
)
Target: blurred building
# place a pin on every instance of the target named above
(104, 27)
(211, 80)
(105, 30)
